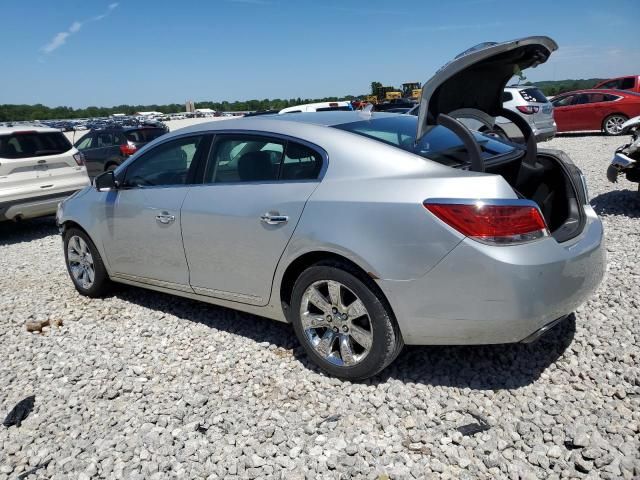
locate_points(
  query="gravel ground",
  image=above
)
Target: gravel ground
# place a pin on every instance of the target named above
(144, 385)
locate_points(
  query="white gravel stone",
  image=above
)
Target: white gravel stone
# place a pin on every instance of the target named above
(144, 385)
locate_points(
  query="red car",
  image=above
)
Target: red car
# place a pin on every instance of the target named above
(631, 83)
(595, 109)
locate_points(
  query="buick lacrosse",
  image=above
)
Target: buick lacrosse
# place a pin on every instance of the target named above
(366, 231)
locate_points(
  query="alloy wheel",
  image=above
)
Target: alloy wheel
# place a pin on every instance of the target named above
(613, 125)
(336, 323)
(80, 262)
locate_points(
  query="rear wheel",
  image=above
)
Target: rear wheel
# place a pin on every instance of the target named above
(612, 125)
(343, 322)
(84, 264)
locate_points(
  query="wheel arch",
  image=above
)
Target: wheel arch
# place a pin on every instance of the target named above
(622, 114)
(67, 224)
(304, 261)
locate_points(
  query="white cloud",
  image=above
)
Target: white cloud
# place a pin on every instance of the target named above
(56, 42)
(60, 38)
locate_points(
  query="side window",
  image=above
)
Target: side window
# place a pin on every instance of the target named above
(627, 83)
(104, 140)
(610, 98)
(611, 84)
(240, 158)
(84, 143)
(563, 101)
(119, 138)
(166, 164)
(582, 99)
(300, 163)
(597, 97)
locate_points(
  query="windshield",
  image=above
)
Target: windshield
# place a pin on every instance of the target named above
(440, 144)
(33, 144)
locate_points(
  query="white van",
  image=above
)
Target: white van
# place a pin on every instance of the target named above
(38, 169)
(318, 107)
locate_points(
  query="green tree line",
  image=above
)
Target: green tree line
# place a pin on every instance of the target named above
(9, 112)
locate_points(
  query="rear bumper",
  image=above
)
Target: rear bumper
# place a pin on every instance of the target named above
(480, 294)
(544, 133)
(33, 207)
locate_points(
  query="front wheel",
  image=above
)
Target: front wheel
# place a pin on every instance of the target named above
(343, 322)
(612, 125)
(84, 264)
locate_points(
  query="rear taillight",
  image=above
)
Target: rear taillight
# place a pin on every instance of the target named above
(79, 158)
(518, 221)
(528, 109)
(128, 148)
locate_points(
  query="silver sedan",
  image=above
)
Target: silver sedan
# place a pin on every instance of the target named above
(366, 231)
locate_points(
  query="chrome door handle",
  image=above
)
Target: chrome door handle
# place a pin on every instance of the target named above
(165, 218)
(273, 218)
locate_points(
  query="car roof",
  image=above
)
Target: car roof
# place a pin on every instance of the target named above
(8, 129)
(327, 119)
(612, 91)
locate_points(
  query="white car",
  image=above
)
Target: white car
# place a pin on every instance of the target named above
(38, 169)
(318, 107)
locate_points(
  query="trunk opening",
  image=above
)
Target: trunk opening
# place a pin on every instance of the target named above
(551, 181)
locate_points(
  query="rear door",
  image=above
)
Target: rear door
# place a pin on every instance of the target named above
(583, 113)
(237, 224)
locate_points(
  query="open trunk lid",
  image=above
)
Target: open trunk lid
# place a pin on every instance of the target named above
(476, 78)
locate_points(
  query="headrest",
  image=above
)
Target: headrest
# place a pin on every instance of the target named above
(255, 166)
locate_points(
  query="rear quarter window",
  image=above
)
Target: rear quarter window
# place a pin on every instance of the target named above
(33, 144)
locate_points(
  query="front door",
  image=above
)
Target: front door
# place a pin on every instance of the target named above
(237, 224)
(142, 237)
(563, 113)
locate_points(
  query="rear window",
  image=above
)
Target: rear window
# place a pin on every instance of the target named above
(533, 95)
(440, 144)
(33, 144)
(628, 83)
(144, 135)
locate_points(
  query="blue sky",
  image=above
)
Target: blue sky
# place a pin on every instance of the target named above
(103, 53)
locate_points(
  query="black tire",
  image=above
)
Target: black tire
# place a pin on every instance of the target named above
(101, 284)
(386, 337)
(609, 130)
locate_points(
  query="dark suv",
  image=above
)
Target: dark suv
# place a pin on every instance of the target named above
(106, 148)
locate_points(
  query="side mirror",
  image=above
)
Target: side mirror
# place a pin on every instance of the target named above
(106, 182)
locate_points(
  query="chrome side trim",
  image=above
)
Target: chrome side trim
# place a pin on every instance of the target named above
(237, 297)
(152, 281)
(266, 311)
